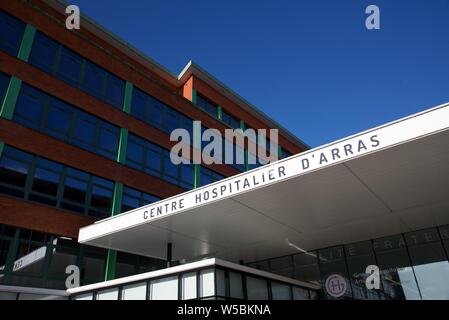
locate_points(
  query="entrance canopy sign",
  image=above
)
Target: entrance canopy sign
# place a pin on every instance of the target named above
(374, 141)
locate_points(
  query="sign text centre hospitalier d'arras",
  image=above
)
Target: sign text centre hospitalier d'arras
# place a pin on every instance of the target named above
(263, 176)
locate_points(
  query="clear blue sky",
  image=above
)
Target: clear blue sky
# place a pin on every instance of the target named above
(310, 65)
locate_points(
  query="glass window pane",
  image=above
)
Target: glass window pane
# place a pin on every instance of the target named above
(398, 279)
(221, 282)
(164, 289)
(46, 181)
(29, 107)
(11, 35)
(69, 68)
(300, 293)
(115, 91)
(109, 294)
(13, 172)
(136, 291)
(429, 263)
(93, 79)
(75, 190)
(359, 256)
(282, 266)
(93, 264)
(189, 286)
(257, 288)
(236, 285)
(58, 118)
(207, 283)
(109, 140)
(43, 53)
(280, 291)
(306, 267)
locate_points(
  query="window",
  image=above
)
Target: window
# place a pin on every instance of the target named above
(306, 267)
(164, 289)
(282, 266)
(4, 81)
(230, 120)
(358, 256)
(236, 285)
(108, 294)
(58, 119)
(189, 286)
(257, 288)
(158, 114)
(398, 282)
(207, 283)
(206, 105)
(67, 65)
(429, 263)
(12, 33)
(155, 160)
(133, 198)
(37, 179)
(136, 291)
(280, 291)
(208, 176)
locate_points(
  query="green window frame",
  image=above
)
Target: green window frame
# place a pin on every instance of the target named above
(67, 65)
(36, 179)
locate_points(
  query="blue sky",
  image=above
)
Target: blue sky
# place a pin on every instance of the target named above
(310, 65)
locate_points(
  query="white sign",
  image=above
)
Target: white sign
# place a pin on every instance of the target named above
(335, 285)
(373, 140)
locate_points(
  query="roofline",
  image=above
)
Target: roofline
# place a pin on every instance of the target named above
(194, 69)
(178, 81)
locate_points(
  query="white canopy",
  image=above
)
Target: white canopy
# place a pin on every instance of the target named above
(388, 180)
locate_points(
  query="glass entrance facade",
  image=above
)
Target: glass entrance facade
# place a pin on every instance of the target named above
(412, 266)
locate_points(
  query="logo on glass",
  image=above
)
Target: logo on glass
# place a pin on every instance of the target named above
(335, 285)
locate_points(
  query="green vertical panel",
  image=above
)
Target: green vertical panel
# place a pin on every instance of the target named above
(128, 97)
(12, 93)
(117, 198)
(111, 260)
(219, 112)
(122, 144)
(27, 43)
(2, 145)
(194, 96)
(196, 176)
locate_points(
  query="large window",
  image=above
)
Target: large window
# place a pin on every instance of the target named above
(398, 281)
(72, 68)
(429, 263)
(158, 114)
(155, 160)
(206, 105)
(4, 81)
(39, 259)
(11, 33)
(56, 118)
(133, 198)
(36, 179)
(230, 120)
